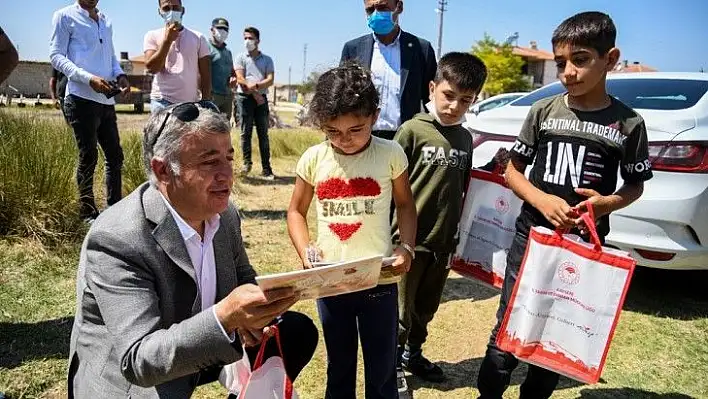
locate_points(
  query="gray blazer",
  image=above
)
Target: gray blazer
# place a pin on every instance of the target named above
(139, 331)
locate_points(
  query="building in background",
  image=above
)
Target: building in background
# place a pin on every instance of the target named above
(539, 66)
(636, 66)
(31, 78)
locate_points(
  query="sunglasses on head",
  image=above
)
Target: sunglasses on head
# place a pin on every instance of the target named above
(185, 112)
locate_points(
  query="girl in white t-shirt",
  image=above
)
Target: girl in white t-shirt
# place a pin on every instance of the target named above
(354, 177)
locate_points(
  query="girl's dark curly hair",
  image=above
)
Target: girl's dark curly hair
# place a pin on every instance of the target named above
(347, 89)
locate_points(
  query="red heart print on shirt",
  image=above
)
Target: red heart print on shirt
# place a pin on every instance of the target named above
(338, 188)
(344, 230)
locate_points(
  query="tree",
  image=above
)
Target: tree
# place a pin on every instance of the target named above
(503, 66)
(309, 85)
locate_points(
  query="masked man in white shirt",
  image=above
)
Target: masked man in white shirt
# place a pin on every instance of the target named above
(81, 47)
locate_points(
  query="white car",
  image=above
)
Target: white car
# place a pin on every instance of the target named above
(493, 102)
(668, 226)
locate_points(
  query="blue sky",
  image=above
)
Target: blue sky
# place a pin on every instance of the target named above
(668, 35)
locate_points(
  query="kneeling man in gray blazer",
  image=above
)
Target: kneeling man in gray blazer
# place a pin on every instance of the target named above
(166, 295)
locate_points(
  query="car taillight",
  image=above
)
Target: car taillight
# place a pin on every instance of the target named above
(654, 255)
(686, 157)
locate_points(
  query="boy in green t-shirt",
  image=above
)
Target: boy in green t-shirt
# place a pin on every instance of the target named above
(439, 152)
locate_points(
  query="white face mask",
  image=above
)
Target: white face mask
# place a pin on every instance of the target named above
(220, 35)
(434, 112)
(250, 44)
(172, 16)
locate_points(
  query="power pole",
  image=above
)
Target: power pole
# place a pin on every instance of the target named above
(290, 86)
(441, 12)
(304, 63)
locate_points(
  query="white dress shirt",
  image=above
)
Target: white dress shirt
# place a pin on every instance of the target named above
(81, 48)
(201, 252)
(386, 73)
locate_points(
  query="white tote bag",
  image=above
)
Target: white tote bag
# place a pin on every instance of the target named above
(566, 303)
(487, 228)
(268, 380)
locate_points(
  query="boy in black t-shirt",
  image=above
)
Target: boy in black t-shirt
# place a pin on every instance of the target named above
(578, 141)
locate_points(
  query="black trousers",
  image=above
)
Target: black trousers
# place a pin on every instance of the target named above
(419, 295)
(369, 316)
(95, 124)
(250, 114)
(384, 134)
(495, 372)
(298, 337)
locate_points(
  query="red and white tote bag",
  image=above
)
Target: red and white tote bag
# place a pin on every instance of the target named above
(566, 303)
(487, 228)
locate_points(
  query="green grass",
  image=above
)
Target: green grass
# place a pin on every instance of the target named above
(37, 198)
(292, 142)
(660, 348)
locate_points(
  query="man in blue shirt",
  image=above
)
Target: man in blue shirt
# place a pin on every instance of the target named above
(81, 47)
(223, 75)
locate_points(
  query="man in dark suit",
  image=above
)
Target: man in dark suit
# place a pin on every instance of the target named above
(166, 295)
(402, 65)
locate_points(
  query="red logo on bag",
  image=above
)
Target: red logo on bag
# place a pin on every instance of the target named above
(568, 273)
(502, 205)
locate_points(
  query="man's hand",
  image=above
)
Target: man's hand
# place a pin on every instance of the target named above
(251, 87)
(402, 264)
(99, 85)
(233, 81)
(251, 338)
(557, 211)
(247, 308)
(171, 32)
(124, 84)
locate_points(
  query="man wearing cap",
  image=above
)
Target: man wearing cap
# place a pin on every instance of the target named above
(223, 75)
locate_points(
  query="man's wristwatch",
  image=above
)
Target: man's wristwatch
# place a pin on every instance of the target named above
(408, 249)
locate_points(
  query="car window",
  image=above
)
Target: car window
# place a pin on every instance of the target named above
(660, 94)
(546, 91)
(490, 105)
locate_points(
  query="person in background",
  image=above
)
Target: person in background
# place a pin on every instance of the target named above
(57, 89)
(255, 73)
(223, 74)
(402, 65)
(81, 48)
(8, 56)
(178, 57)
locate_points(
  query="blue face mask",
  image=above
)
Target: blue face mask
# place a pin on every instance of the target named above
(381, 22)
(172, 16)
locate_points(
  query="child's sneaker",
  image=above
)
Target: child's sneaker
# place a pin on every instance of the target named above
(419, 366)
(401, 382)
